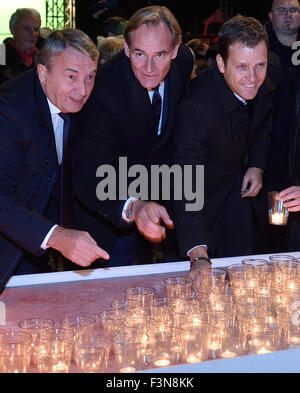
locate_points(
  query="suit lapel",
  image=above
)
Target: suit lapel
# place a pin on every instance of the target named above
(44, 121)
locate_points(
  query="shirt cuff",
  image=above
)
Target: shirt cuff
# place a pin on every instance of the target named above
(124, 217)
(200, 245)
(44, 245)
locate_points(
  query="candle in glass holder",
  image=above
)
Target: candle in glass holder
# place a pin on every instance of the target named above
(277, 218)
(228, 354)
(162, 362)
(263, 350)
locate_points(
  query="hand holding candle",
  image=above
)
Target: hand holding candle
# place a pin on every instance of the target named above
(291, 198)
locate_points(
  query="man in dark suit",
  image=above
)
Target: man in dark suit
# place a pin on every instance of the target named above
(119, 121)
(224, 124)
(33, 157)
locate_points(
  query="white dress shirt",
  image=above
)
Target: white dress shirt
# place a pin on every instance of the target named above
(58, 127)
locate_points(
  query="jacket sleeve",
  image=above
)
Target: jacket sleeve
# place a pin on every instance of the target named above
(22, 226)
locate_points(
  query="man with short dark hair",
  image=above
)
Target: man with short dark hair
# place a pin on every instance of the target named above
(224, 124)
(35, 159)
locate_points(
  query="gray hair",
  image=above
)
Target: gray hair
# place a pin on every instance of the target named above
(20, 13)
(60, 40)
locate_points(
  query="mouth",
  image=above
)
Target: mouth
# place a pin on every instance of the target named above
(250, 86)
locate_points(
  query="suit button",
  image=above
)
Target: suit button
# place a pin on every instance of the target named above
(47, 161)
(49, 178)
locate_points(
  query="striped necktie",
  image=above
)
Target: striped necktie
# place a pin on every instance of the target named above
(156, 106)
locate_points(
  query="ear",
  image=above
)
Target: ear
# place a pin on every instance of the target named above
(126, 49)
(270, 15)
(220, 63)
(175, 51)
(42, 73)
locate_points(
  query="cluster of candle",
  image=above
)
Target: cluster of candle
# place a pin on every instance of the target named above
(245, 308)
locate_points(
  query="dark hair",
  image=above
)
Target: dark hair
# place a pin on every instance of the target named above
(244, 29)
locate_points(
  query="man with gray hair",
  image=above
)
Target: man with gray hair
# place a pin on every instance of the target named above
(22, 49)
(36, 217)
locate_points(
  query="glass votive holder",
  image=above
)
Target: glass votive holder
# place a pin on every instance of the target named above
(56, 334)
(82, 325)
(143, 295)
(91, 354)
(53, 357)
(194, 338)
(255, 262)
(142, 324)
(265, 341)
(162, 306)
(273, 296)
(125, 304)
(193, 302)
(14, 336)
(33, 326)
(237, 268)
(176, 286)
(15, 357)
(212, 278)
(130, 350)
(112, 320)
(279, 258)
(224, 303)
(233, 345)
(165, 346)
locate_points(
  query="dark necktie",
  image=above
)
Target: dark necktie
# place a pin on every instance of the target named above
(66, 175)
(156, 106)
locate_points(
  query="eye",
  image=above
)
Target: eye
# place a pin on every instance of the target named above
(242, 67)
(71, 77)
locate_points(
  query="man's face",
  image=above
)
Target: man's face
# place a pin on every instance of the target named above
(245, 69)
(69, 82)
(151, 52)
(284, 21)
(26, 33)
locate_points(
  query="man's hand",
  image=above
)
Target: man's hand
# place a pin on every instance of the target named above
(77, 246)
(291, 198)
(148, 216)
(252, 182)
(198, 266)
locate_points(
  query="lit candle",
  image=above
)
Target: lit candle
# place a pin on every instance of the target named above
(228, 354)
(277, 218)
(214, 346)
(162, 362)
(263, 350)
(194, 359)
(60, 367)
(127, 370)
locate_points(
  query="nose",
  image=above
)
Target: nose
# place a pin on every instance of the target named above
(149, 64)
(252, 75)
(82, 89)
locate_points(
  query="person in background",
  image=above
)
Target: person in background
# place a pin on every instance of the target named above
(22, 48)
(108, 47)
(283, 165)
(120, 120)
(224, 123)
(36, 217)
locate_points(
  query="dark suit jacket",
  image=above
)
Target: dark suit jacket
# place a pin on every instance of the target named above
(28, 170)
(117, 121)
(214, 130)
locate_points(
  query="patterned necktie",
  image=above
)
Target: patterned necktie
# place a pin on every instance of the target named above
(66, 175)
(156, 106)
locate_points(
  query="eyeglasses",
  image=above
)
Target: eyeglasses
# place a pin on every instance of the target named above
(283, 10)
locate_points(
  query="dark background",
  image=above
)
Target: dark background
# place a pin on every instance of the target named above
(189, 13)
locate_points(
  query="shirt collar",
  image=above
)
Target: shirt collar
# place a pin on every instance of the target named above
(240, 98)
(53, 108)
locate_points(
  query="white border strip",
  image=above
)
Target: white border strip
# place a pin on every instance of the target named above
(120, 271)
